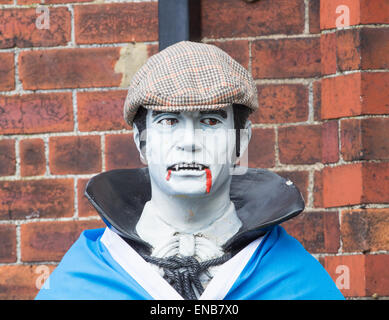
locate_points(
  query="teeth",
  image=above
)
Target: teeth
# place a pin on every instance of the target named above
(187, 166)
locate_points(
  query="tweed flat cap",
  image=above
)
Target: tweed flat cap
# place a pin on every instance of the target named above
(190, 76)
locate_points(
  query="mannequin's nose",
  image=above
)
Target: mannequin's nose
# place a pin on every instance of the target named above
(188, 140)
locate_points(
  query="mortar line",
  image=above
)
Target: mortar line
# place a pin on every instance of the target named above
(310, 200)
(103, 158)
(72, 32)
(46, 143)
(75, 213)
(17, 158)
(75, 112)
(276, 148)
(18, 244)
(311, 109)
(306, 17)
(250, 59)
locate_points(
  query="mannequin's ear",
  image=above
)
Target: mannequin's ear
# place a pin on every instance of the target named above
(139, 145)
(245, 136)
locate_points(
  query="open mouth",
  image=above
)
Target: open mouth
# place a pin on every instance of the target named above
(182, 166)
(187, 166)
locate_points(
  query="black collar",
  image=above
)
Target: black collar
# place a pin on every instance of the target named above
(262, 199)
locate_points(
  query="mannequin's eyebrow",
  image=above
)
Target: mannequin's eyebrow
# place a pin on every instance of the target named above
(219, 112)
(155, 113)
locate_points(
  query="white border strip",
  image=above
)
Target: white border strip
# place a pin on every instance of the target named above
(226, 276)
(157, 286)
(138, 268)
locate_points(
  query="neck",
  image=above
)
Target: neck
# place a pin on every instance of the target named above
(190, 214)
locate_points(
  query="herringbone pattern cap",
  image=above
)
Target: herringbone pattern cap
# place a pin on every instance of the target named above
(190, 76)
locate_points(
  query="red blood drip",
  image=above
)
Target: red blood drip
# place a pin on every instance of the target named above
(209, 180)
(168, 175)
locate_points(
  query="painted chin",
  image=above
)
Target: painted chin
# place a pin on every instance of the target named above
(193, 180)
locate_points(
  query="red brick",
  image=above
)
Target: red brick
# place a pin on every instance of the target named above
(318, 232)
(374, 11)
(74, 68)
(99, 111)
(375, 134)
(318, 189)
(49, 241)
(8, 243)
(121, 152)
(286, 58)
(375, 182)
(308, 144)
(355, 94)
(328, 53)
(377, 275)
(281, 104)
(221, 19)
(317, 100)
(365, 139)
(85, 209)
(314, 16)
(7, 158)
(18, 28)
(348, 273)
(6, 2)
(347, 49)
(36, 113)
(75, 155)
(365, 230)
(261, 151)
(340, 96)
(237, 49)
(7, 71)
(299, 178)
(355, 184)
(375, 48)
(351, 139)
(299, 144)
(342, 185)
(329, 16)
(48, 198)
(329, 142)
(32, 157)
(116, 22)
(19, 282)
(375, 92)
(364, 49)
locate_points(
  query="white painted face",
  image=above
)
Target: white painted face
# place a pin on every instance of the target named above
(190, 153)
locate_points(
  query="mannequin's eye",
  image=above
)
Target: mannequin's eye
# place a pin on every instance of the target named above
(210, 121)
(168, 121)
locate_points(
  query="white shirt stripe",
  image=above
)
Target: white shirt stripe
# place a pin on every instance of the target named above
(157, 286)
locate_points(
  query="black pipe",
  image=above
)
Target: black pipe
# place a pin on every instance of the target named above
(178, 20)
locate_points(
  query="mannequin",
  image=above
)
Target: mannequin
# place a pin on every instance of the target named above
(189, 225)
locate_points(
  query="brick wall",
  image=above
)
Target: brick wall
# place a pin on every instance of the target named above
(323, 122)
